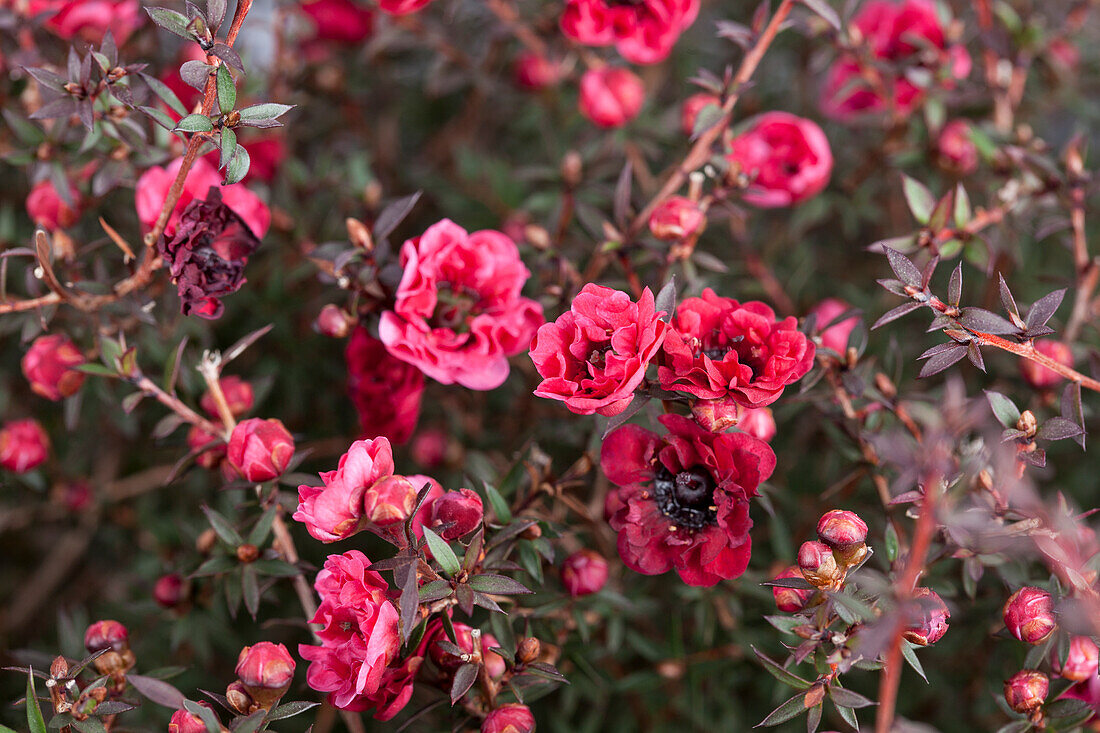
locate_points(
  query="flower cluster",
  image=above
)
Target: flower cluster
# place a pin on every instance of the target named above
(643, 32)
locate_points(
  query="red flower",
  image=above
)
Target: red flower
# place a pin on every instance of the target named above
(536, 72)
(260, 449)
(759, 423)
(342, 21)
(183, 721)
(394, 691)
(644, 31)
(683, 498)
(89, 20)
(48, 366)
(787, 159)
(905, 34)
(47, 209)
(834, 337)
(459, 314)
(386, 391)
(401, 7)
(957, 151)
(717, 346)
(595, 355)
(611, 96)
(677, 218)
(23, 445)
(153, 186)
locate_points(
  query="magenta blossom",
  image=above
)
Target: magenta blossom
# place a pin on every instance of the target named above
(786, 158)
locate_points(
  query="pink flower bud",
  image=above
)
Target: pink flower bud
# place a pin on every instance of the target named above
(169, 590)
(106, 635)
(840, 528)
(1026, 690)
(48, 366)
(456, 513)
(584, 572)
(260, 449)
(429, 448)
(210, 458)
(238, 697)
(1064, 55)
(238, 396)
(1039, 376)
(185, 722)
(23, 445)
(48, 210)
(265, 670)
(1081, 662)
(334, 322)
(1029, 615)
(611, 96)
(677, 218)
(790, 600)
(956, 149)
(509, 718)
(818, 565)
(536, 72)
(693, 105)
(931, 614)
(718, 415)
(449, 662)
(389, 500)
(759, 423)
(836, 336)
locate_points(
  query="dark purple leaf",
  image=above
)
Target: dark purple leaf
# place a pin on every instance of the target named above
(1058, 428)
(1037, 458)
(903, 267)
(825, 11)
(954, 288)
(796, 583)
(790, 709)
(464, 594)
(895, 314)
(975, 355)
(409, 603)
(465, 676)
(938, 349)
(497, 584)
(393, 215)
(1071, 409)
(1045, 307)
(1007, 300)
(666, 300)
(157, 691)
(486, 602)
(942, 361)
(228, 55)
(621, 201)
(979, 319)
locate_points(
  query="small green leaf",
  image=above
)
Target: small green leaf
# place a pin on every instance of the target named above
(238, 166)
(846, 698)
(963, 212)
(35, 721)
(497, 584)
(499, 505)
(1004, 409)
(227, 89)
(228, 146)
(891, 542)
(215, 566)
(442, 552)
(195, 123)
(920, 199)
(262, 528)
(790, 709)
(222, 526)
(290, 709)
(263, 115)
(170, 21)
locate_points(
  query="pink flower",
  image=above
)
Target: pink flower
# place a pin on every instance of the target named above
(584, 573)
(536, 72)
(342, 21)
(786, 158)
(905, 34)
(153, 186)
(334, 322)
(677, 218)
(683, 498)
(834, 337)
(691, 108)
(957, 151)
(183, 721)
(459, 314)
(643, 32)
(759, 423)
(611, 96)
(48, 366)
(23, 445)
(48, 210)
(89, 20)
(260, 450)
(401, 7)
(1039, 376)
(385, 390)
(394, 691)
(717, 347)
(359, 637)
(335, 511)
(509, 718)
(595, 355)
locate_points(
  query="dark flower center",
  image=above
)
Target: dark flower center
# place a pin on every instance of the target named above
(687, 498)
(454, 305)
(624, 3)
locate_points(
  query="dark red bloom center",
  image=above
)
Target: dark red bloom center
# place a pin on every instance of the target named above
(454, 306)
(687, 497)
(624, 3)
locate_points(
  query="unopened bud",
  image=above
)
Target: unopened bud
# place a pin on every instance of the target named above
(572, 168)
(528, 650)
(931, 615)
(718, 415)
(248, 553)
(583, 573)
(531, 532)
(1026, 690)
(266, 670)
(537, 237)
(846, 534)
(816, 561)
(1081, 660)
(677, 218)
(169, 590)
(389, 501)
(238, 394)
(59, 668)
(509, 718)
(1029, 615)
(238, 698)
(359, 235)
(206, 541)
(457, 513)
(790, 600)
(1027, 423)
(334, 322)
(106, 635)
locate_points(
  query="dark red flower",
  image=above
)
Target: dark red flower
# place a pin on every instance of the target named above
(643, 31)
(385, 390)
(717, 346)
(683, 498)
(342, 21)
(207, 254)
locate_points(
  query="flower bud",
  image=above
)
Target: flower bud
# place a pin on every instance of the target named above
(509, 718)
(106, 635)
(1081, 661)
(48, 210)
(932, 614)
(818, 565)
(238, 396)
(185, 722)
(266, 670)
(1040, 377)
(691, 108)
(718, 415)
(535, 71)
(583, 573)
(1026, 690)
(759, 423)
(957, 151)
(677, 218)
(23, 445)
(611, 96)
(389, 500)
(1029, 615)
(48, 366)
(528, 650)
(260, 449)
(429, 448)
(834, 337)
(74, 495)
(572, 168)
(169, 590)
(840, 528)
(449, 662)
(238, 698)
(211, 457)
(790, 600)
(334, 322)
(1027, 423)
(206, 541)
(456, 514)
(248, 553)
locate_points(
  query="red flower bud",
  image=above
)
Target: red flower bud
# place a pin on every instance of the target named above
(1039, 376)
(210, 458)
(759, 423)
(509, 718)
(449, 662)
(957, 151)
(1029, 615)
(334, 322)
(841, 529)
(932, 615)
(169, 590)
(48, 210)
(106, 635)
(718, 415)
(429, 448)
(1081, 661)
(266, 670)
(238, 395)
(389, 500)
(185, 722)
(48, 366)
(536, 72)
(584, 572)
(238, 698)
(818, 565)
(1026, 690)
(23, 445)
(611, 96)
(693, 105)
(260, 449)
(790, 600)
(677, 218)
(457, 512)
